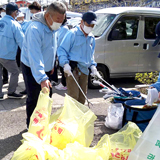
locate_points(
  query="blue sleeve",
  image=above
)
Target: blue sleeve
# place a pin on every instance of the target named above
(26, 25)
(64, 48)
(19, 35)
(157, 84)
(61, 33)
(93, 51)
(34, 45)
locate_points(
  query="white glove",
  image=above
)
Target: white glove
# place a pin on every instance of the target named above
(95, 72)
(67, 69)
(152, 96)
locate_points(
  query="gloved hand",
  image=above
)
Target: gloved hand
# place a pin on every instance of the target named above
(152, 96)
(67, 69)
(95, 72)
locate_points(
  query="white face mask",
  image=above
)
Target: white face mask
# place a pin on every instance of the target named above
(55, 25)
(20, 21)
(87, 29)
(3, 14)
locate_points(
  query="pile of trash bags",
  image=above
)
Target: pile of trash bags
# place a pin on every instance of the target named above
(68, 133)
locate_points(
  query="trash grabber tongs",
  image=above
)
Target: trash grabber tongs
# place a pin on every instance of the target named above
(81, 90)
(111, 86)
(108, 85)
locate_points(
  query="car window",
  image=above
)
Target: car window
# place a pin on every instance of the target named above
(125, 28)
(103, 21)
(150, 25)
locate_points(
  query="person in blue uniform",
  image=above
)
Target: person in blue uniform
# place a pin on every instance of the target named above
(24, 24)
(11, 36)
(76, 55)
(38, 52)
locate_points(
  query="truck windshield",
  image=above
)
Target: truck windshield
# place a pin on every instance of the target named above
(103, 21)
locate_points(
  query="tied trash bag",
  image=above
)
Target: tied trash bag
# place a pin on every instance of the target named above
(123, 141)
(74, 122)
(148, 146)
(39, 121)
(114, 116)
(34, 148)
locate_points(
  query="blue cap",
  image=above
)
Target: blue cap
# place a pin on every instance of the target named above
(89, 17)
(157, 40)
(11, 6)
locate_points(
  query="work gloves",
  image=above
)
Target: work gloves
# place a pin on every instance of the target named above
(152, 96)
(67, 69)
(94, 72)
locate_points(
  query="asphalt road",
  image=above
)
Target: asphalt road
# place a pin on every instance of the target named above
(12, 116)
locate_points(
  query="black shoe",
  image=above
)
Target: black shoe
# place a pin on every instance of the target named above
(5, 81)
(53, 83)
(23, 92)
(1, 98)
(15, 95)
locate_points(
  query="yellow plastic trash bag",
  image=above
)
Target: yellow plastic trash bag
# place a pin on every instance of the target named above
(123, 141)
(39, 121)
(76, 151)
(75, 122)
(27, 152)
(34, 148)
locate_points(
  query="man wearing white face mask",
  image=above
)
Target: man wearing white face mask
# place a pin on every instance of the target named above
(11, 36)
(76, 54)
(38, 52)
(24, 23)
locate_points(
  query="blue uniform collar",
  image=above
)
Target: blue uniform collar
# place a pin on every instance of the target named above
(10, 17)
(80, 33)
(47, 28)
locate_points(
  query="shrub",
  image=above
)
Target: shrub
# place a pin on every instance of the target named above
(147, 78)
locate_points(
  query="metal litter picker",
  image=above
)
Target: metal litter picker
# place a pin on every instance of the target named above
(81, 90)
(118, 93)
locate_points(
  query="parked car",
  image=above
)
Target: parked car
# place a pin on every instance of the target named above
(28, 14)
(124, 38)
(73, 14)
(73, 22)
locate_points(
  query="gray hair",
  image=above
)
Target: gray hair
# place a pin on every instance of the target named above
(57, 7)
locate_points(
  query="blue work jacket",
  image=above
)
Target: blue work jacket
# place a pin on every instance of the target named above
(11, 36)
(76, 47)
(39, 50)
(25, 25)
(61, 33)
